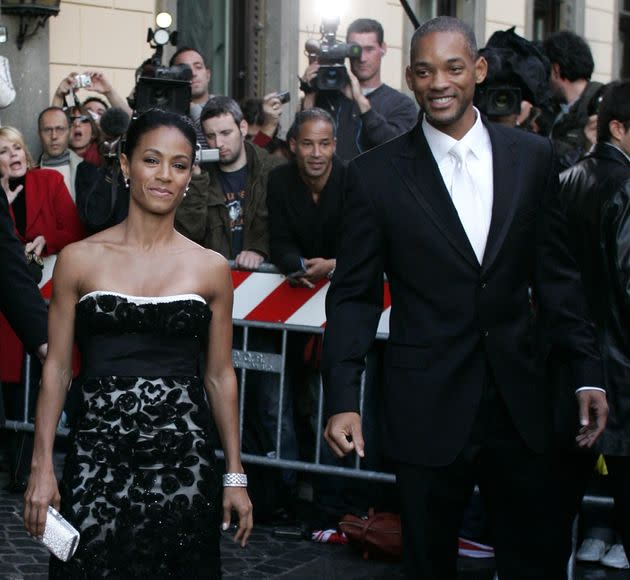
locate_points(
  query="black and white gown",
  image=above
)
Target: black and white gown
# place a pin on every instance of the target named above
(139, 480)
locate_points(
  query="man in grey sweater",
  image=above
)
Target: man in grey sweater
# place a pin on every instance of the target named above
(367, 112)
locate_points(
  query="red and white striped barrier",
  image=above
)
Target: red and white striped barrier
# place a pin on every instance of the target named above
(265, 297)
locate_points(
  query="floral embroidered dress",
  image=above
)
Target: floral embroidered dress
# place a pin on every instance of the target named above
(139, 481)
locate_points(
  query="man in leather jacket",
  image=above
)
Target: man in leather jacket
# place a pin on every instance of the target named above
(596, 197)
(571, 68)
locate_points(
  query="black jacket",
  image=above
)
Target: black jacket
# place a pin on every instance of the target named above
(299, 227)
(20, 300)
(203, 216)
(453, 320)
(596, 198)
(567, 133)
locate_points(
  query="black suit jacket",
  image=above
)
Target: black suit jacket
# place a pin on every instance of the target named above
(298, 228)
(20, 300)
(452, 320)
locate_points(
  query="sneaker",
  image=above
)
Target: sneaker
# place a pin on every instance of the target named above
(470, 549)
(616, 558)
(591, 550)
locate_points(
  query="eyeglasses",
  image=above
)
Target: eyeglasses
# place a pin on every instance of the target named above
(51, 130)
(80, 118)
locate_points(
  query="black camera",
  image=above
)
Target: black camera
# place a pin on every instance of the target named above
(499, 101)
(163, 87)
(331, 54)
(517, 71)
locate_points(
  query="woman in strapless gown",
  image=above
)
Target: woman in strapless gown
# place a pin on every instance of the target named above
(143, 304)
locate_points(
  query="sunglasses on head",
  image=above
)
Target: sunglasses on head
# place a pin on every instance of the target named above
(80, 118)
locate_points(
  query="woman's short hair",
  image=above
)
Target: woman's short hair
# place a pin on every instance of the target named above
(15, 136)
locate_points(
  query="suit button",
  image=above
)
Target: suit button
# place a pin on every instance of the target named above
(485, 333)
(483, 285)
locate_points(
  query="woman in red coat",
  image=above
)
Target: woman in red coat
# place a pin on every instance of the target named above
(45, 219)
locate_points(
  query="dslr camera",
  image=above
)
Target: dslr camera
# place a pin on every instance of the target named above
(330, 53)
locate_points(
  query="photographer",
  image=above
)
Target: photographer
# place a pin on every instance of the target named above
(571, 68)
(516, 90)
(92, 81)
(263, 122)
(367, 111)
(226, 207)
(199, 83)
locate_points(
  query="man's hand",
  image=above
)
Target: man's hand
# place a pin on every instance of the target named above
(590, 130)
(344, 434)
(309, 75)
(353, 91)
(249, 260)
(100, 84)
(65, 86)
(593, 409)
(318, 268)
(272, 108)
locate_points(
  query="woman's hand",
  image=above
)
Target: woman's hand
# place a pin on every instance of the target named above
(41, 492)
(36, 246)
(236, 498)
(4, 181)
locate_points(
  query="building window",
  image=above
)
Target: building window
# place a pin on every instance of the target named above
(546, 19)
(624, 39)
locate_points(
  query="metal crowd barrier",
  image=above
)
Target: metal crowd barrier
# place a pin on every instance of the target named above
(245, 360)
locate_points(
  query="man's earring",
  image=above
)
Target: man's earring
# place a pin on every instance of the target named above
(126, 182)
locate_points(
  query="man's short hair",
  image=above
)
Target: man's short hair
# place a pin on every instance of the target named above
(220, 105)
(615, 106)
(253, 111)
(314, 114)
(445, 24)
(363, 25)
(47, 110)
(572, 53)
(183, 49)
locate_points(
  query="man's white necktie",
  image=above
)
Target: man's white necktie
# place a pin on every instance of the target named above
(467, 201)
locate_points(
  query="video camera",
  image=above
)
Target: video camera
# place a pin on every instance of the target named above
(330, 53)
(517, 71)
(162, 87)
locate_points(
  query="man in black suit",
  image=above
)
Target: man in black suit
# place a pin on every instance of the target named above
(24, 308)
(463, 218)
(20, 300)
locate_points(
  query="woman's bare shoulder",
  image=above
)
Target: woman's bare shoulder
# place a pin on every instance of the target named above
(203, 256)
(90, 249)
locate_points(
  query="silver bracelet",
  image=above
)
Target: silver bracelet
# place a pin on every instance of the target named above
(234, 480)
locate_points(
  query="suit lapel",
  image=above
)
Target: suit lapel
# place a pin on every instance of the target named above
(420, 174)
(505, 192)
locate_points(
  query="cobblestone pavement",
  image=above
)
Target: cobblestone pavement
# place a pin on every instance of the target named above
(266, 556)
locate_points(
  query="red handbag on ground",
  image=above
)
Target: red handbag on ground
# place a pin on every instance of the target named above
(377, 535)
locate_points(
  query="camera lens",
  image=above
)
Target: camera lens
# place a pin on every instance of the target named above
(504, 102)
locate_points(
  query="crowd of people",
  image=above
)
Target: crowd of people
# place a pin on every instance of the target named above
(506, 255)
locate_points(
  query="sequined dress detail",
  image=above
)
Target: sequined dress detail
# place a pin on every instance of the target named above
(139, 480)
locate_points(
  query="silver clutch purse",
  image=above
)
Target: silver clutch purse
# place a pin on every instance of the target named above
(59, 536)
